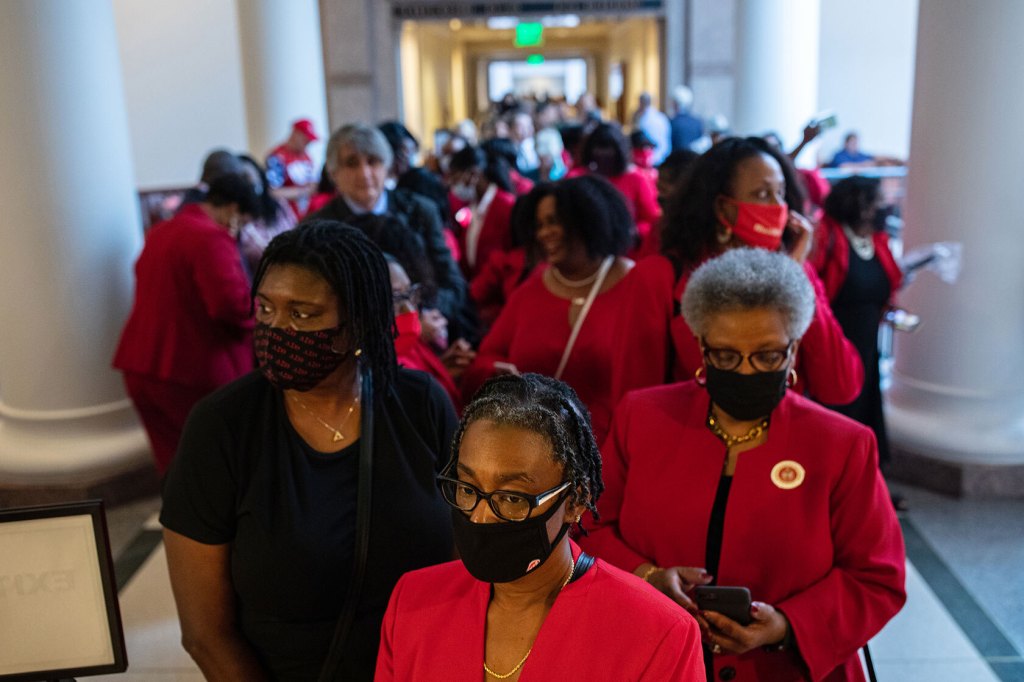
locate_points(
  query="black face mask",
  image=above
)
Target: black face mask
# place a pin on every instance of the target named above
(508, 550)
(746, 396)
(881, 220)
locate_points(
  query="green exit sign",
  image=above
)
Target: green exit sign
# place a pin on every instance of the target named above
(535, 59)
(529, 34)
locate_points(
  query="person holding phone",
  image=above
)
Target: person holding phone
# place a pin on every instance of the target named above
(733, 480)
(523, 602)
(741, 192)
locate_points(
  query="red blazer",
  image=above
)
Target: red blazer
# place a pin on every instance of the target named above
(532, 330)
(495, 233)
(828, 553)
(831, 257)
(828, 367)
(190, 323)
(434, 630)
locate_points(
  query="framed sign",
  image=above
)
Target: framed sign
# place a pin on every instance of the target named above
(59, 615)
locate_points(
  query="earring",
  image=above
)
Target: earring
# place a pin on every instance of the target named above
(699, 377)
(723, 236)
(359, 351)
(578, 517)
(792, 378)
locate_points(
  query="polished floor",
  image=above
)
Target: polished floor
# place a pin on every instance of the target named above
(963, 621)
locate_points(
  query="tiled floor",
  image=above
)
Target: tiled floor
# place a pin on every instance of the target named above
(971, 550)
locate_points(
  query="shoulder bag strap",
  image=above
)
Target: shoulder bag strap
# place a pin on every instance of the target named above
(594, 289)
(362, 541)
(583, 563)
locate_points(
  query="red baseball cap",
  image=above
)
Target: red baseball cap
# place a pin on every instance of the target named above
(305, 126)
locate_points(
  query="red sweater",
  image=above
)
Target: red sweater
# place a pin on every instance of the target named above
(434, 630)
(828, 552)
(190, 323)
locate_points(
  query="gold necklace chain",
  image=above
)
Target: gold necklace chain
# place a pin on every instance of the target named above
(520, 664)
(338, 435)
(731, 440)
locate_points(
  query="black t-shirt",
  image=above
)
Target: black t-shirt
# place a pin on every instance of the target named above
(243, 476)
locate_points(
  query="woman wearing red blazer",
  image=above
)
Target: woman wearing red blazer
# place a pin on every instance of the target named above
(861, 278)
(482, 183)
(189, 330)
(738, 193)
(732, 480)
(524, 603)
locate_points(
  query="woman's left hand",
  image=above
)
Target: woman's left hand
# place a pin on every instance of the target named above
(768, 626)
(803, 236)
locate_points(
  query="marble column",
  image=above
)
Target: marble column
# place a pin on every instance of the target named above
(69, 234)
(956, 407)
(776, 66)
(283, 68)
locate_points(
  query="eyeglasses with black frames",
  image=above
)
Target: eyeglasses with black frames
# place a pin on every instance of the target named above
(508, 505)
(413, 295)
(761, 360)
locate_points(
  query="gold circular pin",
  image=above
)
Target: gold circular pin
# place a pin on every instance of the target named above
(788, 474)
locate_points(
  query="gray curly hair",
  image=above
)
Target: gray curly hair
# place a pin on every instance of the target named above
(364, 139)
(743, 279)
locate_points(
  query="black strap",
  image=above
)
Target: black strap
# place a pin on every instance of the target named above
(870, 665)
(362, 542)
(583, 563)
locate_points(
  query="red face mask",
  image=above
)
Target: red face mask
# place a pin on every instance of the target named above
(644, 158)
(759, 224)
(409, 328)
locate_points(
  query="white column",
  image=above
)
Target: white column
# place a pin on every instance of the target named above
(69, 232)
(282, 61)
(958, 386)
(776, 66)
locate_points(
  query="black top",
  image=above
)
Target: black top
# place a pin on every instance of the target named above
(243, 476)
(716, 525)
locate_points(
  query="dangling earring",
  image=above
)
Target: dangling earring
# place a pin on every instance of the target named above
(792, 378)
(723, 236)
(699, 377)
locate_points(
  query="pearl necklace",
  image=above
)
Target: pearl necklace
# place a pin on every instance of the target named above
(864, 247)
(572, 283)
(521, 663)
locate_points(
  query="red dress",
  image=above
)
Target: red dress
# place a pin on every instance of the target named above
(434, 631)
(532, 330)
(494, 283)
(827, 552)
(419, 356)
(190, 325)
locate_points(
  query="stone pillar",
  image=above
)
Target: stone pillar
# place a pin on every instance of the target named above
(776, 66)
(283, 68)
(69, 233)
(956, 409)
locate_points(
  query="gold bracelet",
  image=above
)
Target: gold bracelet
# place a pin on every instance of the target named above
(648, 573)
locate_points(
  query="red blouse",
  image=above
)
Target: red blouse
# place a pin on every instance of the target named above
(532, 330)
(827, 551)
(434, 630)
(420, 356)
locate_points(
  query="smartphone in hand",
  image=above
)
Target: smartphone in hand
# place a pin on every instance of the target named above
(731, 602)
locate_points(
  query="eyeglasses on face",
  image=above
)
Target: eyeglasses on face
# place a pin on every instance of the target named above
(761, 360)
(413, 295)
(508, 505)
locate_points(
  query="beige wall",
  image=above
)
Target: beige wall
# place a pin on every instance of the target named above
(182, 71)
(634, 43)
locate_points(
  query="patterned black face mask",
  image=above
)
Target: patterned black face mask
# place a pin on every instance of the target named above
(293, 359)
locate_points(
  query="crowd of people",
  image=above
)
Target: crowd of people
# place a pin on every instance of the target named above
(522, 409)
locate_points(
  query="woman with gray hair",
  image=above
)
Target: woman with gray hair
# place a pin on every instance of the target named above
(732, 480)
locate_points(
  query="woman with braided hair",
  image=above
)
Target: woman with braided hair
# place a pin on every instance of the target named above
(524, 603)
(267, 508)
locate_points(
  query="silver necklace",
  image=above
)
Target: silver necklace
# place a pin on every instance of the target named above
(864, 247)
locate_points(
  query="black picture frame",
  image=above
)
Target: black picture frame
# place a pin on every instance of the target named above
(97, 576)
